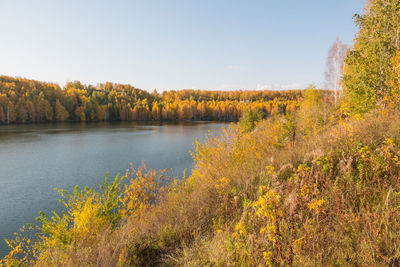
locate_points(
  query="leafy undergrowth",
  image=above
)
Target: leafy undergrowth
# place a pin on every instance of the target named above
(297, 190)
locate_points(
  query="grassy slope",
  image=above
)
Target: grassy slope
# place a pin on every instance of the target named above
(327, 199)
(327, 195)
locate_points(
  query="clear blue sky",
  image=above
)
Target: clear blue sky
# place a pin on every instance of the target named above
(174, 44)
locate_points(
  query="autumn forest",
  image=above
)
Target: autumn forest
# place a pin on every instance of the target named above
(29, 101)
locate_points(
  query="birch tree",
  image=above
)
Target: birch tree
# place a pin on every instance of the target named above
(334, 65)
(369, 64)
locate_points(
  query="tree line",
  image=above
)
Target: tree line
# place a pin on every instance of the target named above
(29, 101)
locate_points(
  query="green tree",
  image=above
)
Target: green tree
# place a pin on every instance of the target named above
(368, 64)
(250, 118)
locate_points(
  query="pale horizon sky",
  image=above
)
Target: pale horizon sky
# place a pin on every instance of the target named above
(174, 44)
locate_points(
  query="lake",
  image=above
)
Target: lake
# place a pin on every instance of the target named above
(35, 159)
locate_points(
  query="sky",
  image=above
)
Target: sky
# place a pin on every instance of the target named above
(174, 44)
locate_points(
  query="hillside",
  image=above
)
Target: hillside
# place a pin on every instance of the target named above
(295, 190)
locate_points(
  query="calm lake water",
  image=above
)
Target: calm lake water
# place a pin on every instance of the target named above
(35, 159)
